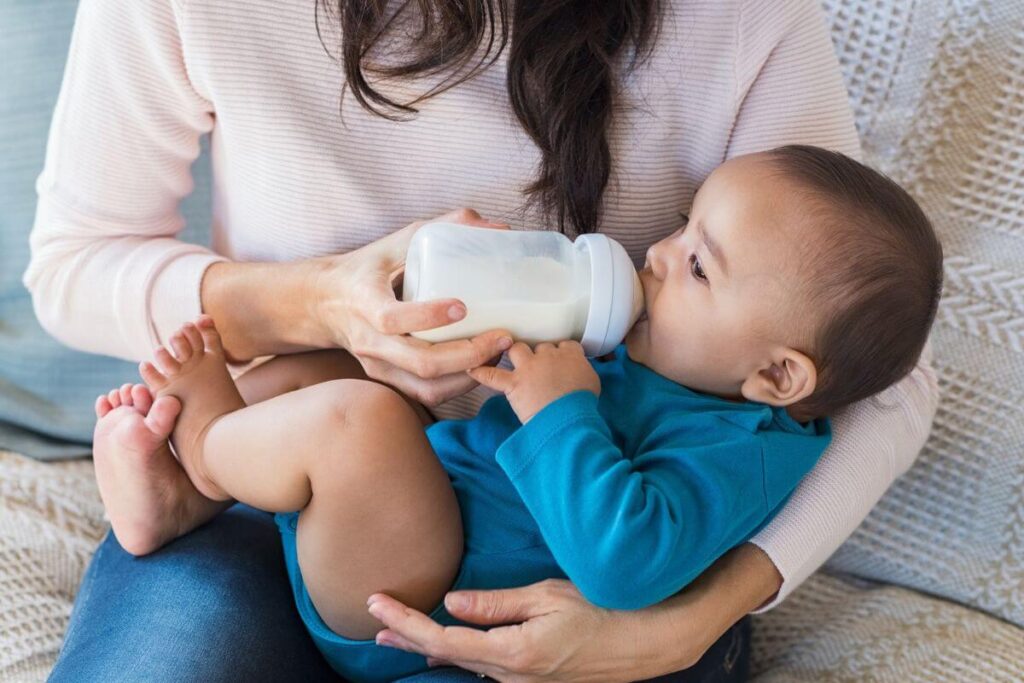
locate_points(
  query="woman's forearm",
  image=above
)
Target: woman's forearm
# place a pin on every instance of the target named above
(263, 308)
(680, 629)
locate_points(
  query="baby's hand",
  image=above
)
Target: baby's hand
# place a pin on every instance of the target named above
(541, 376)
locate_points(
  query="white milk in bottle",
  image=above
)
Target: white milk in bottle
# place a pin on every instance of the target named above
(537, 284)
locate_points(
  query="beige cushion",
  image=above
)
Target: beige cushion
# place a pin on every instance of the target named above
(51, 521)
(844, 629)
(938, 91)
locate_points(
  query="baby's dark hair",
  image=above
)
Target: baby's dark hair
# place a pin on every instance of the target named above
(875, 276)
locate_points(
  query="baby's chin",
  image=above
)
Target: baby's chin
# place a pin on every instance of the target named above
(636, 342)
(638, 349)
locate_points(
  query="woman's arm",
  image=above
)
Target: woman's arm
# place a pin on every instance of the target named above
(106, 274)
(563, 637)
(348, 301)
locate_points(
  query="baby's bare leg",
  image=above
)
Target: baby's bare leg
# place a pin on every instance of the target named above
(148, 497)
(378, 512)
(285, 373)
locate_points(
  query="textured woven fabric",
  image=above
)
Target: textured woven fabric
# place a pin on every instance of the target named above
(51, 520)
(938, 91)
(839, 629)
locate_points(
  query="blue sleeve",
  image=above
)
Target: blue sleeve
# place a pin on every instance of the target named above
(631, 532)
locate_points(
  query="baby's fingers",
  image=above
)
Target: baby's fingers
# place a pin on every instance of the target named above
(498, 379)
(519, 353)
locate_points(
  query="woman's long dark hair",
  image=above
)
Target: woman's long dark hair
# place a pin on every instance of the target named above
(563, 73)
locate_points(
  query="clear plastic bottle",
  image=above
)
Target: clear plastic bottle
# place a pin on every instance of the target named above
(537, 284)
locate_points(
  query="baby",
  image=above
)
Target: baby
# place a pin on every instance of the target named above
(801, 282)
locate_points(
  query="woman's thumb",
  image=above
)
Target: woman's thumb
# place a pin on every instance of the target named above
(505, 606)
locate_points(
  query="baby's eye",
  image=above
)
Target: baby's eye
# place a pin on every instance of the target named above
(697, 269)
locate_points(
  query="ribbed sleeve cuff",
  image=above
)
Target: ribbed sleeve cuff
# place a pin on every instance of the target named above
(520, 449)
(789, 582)
(173, 296)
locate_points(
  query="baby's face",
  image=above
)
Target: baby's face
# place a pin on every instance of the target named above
(721, 292)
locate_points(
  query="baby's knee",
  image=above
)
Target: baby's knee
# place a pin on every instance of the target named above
(362, 403)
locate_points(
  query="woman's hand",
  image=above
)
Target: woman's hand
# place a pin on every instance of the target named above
(563, 637)
(549, 632)
(540, 376)
(356, 306)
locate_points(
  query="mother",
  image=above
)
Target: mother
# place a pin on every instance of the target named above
(571, 114)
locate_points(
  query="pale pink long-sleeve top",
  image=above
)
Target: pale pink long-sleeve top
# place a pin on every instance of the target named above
(144, 80)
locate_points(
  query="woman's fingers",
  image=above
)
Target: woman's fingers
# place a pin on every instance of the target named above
(416, 632)
(390, 316)
(467, 216)
(396, 243)
(504, 606)
(429, 361)
(429, 392)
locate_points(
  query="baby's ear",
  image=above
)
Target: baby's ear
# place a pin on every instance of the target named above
(785, 378)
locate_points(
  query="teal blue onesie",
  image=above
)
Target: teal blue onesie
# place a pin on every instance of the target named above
(630, 496)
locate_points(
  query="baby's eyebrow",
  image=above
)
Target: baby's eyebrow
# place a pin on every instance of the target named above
(713, 248)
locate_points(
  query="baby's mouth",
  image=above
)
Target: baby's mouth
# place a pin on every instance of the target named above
(643, 312)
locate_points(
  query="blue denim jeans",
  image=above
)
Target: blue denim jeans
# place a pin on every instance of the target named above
(216, 605)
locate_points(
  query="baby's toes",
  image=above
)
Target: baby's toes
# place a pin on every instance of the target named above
(208, 330)
(102, 406)
(126, 394)
(165, 362)
(151, 376)
(193, 336)
(142, 399)
(114, 396)
(162, 416)
(182, 349)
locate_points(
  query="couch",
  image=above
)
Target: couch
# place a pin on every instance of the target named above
(929, 588)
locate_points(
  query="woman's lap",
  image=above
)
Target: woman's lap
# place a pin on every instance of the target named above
(216, 605)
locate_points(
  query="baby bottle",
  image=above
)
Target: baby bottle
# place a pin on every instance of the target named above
(537, 284)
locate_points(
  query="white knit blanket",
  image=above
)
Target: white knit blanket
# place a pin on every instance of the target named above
(938, 89)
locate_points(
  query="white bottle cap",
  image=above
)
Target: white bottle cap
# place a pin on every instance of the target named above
(616, 295)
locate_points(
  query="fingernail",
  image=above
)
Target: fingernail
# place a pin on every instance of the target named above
(456, 313)
(370, 600)
(374, 609)
(384, 640)
(505, 343)
(456, 601)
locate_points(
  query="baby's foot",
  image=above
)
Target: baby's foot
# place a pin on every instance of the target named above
(144, 490)
(197, 375)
